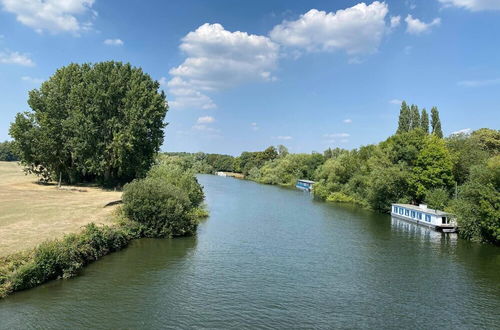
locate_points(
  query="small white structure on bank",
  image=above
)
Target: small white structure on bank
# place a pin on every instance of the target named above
(220, 173)
(423, 215)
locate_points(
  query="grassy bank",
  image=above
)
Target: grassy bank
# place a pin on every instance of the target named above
(31, 213)
(167, 203)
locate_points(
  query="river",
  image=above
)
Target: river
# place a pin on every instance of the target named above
(270, 257)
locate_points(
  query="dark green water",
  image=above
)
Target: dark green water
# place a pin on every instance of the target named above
(273, 258)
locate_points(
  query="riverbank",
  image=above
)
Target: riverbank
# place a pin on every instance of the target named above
(63, 255)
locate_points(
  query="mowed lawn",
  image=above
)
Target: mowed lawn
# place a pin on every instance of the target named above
(31, 213)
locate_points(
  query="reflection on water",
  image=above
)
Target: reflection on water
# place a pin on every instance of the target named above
(423, 233)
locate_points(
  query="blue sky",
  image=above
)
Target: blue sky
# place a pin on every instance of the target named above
(243, 75)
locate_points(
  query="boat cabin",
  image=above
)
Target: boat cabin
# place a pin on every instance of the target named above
(423, 215)
(305, 185)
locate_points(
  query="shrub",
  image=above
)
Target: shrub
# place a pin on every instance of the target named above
(162, 209)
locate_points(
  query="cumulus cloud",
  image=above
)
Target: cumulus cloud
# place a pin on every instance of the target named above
(395, 21)
(254, 126)
(478, 83)
(219, 59)
(284, 137)
(205, 128)
(50, 15)
(8, 57)
(356, 30)
(205, 120)
(113, 42)
(32, 80)
(473, 5)
(416, 26)
(347, 121)
(395, 101)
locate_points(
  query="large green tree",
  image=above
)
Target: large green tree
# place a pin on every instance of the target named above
(100, 121)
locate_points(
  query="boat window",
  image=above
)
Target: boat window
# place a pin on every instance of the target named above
(445, 220)
(407, 212)
(419, 216)
(413, 214)
(400, 210)
(427, 218)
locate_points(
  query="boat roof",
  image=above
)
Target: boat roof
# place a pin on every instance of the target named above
(418, 208)
(306, 181)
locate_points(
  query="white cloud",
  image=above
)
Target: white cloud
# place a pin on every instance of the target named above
(416, 26)
(219, 59)
(205, 120)
(356, 30)
(395, 21)
(8, 57)
(113, 42)
(395, 101)
(462, 131)
(284, 137)
(347, 121)
(50, 15)
(478, 83)
(32, 80)
(473, 5)
(254, 126)
(336, 135)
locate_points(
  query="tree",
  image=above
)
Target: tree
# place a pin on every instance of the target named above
(7, 152)
(415, 117)
(424, 121)
(436, 123)
(404, 122)
(433, 168)
(92, 122)
(478, 206)
(282, 151)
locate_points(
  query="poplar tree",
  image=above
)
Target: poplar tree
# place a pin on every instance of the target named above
(414, 117)
(404, 122)
(424, 121)
(436, 123)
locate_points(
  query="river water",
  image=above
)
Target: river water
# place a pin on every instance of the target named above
(270, 257)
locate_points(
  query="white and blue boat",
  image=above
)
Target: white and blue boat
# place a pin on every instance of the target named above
(425, 216)
(305, 185)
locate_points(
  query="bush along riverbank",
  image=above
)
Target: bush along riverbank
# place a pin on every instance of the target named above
(166, 203)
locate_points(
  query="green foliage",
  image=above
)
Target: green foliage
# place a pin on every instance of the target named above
(91, 122)
(7, 152)
(415, 117)
(433, 168)
(404, 124)
(60, 258)
(286, 170)
(478, 205)
(424, 121)
(388, 184)
(340, 197)
(436, 123)
(437, 198)
(162, 209)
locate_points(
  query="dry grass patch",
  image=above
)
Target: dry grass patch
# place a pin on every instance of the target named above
(31, 213)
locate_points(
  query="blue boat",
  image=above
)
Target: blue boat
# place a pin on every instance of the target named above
(305, 185)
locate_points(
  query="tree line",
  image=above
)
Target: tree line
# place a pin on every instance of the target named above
(459, 173)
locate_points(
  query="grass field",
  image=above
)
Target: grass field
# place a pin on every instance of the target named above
(31, 213)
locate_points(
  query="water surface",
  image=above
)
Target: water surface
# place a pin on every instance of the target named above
(270, 257)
